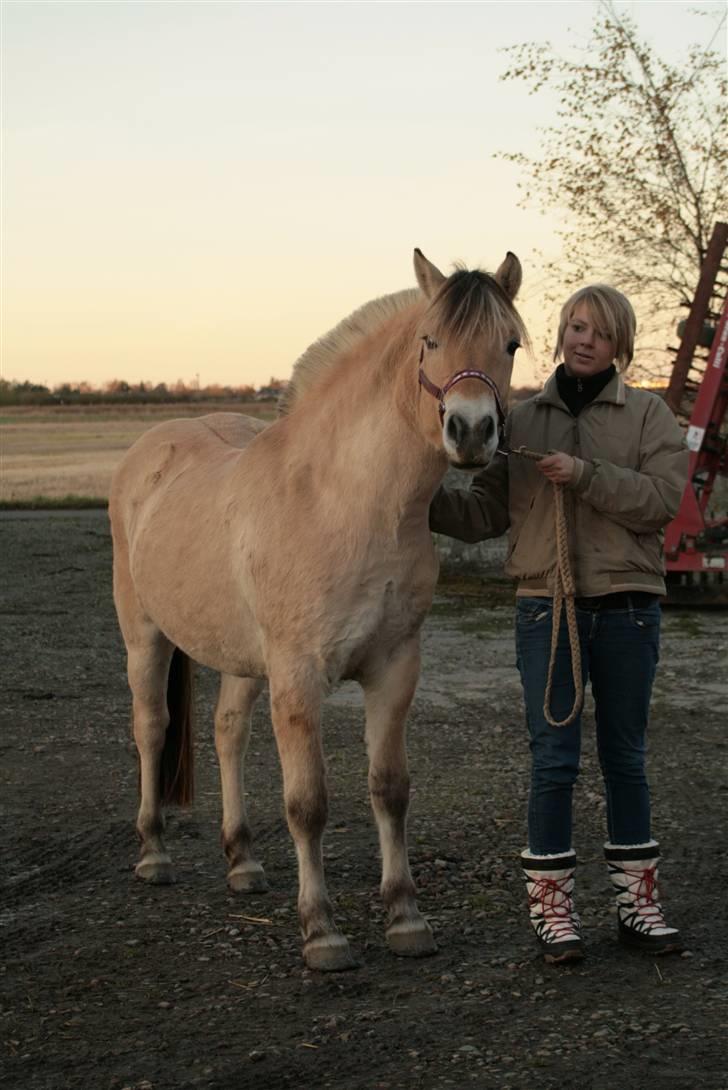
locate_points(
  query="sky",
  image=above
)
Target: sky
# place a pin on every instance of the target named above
(198, 191)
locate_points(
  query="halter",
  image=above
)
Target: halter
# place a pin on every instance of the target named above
(439, 392)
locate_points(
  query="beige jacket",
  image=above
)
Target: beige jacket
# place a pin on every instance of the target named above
(630, 467)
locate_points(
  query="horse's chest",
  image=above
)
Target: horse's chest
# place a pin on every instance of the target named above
(376, 624)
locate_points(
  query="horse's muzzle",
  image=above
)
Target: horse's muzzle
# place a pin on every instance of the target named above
(470, 445)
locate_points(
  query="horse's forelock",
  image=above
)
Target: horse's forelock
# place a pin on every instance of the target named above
(472, 302)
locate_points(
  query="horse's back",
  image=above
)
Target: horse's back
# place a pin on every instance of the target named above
(163, 452)
(233, 428)
(200, 433)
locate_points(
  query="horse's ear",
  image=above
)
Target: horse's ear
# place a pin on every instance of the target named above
(509, 275)
(428, 275)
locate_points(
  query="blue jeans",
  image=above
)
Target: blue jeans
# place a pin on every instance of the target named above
(619, 655)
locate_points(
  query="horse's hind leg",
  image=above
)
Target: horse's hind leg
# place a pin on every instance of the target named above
(388, 693)
(232, 732)
(296, 710)
(148, 670)
(165, 757)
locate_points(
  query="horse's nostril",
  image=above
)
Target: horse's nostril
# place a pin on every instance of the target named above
(486, 429)
(456, 428)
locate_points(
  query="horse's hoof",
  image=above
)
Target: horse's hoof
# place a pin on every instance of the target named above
(411, 939)
(247, 878)
(156, 870)
(330, 954)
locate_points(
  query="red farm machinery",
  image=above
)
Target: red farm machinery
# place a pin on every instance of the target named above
(696, 541)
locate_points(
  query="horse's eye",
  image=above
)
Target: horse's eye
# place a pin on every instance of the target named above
(513, 347)
(430, 342)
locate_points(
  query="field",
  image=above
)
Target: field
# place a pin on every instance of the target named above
(108, 984)
(72, 450)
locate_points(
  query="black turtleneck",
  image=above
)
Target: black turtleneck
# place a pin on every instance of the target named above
(576, 392)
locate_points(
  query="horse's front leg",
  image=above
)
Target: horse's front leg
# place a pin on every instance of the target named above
(296, 714)
(388, 692)
(232, 733)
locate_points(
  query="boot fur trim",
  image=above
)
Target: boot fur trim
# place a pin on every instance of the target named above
(630, 852)
(563, 861)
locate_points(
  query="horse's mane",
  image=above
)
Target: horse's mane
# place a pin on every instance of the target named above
(326, 351)
(469, 302)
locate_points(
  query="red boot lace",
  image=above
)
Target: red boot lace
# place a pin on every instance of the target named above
(642, 885)
(556, 905)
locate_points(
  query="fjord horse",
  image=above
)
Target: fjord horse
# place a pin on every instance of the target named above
(300, 552)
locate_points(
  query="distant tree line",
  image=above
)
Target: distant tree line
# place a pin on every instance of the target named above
(118, 392)
(125, 393)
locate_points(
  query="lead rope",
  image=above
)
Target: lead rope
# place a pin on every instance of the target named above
(564, 591)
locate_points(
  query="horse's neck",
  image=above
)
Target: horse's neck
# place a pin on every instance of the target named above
(365, 442)
(401, 470)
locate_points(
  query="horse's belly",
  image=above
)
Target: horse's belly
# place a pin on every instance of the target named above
(225, 639)
(229, 651)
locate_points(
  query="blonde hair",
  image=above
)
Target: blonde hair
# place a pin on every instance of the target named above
(611, 311)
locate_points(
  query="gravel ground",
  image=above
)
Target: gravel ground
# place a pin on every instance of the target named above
(108, 984)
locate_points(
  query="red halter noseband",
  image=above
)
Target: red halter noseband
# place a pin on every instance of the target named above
(439, 392)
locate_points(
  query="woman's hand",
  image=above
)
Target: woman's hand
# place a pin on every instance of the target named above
(557, 467)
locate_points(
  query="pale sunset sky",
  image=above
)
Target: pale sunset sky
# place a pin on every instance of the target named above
(202, 189)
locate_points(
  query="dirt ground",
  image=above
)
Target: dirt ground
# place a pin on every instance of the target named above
(107, 983)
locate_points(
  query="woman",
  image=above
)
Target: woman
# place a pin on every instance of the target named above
(620, 456)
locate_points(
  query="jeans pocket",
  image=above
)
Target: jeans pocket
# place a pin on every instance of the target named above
(533, 611)
(646, 619)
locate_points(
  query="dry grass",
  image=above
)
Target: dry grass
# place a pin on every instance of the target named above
(67, 454)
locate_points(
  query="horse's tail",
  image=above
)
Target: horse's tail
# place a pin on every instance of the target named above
(176, 771)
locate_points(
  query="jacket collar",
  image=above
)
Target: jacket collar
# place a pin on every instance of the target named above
(613, 392)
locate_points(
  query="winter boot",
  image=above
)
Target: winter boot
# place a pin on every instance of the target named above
(550, 883)
(633, 871)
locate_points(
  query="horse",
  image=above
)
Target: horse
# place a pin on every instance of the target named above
(299, 552)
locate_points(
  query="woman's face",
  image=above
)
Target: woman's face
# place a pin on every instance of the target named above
(586, 349)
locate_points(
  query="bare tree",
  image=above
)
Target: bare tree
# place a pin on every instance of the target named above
(637, 162)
